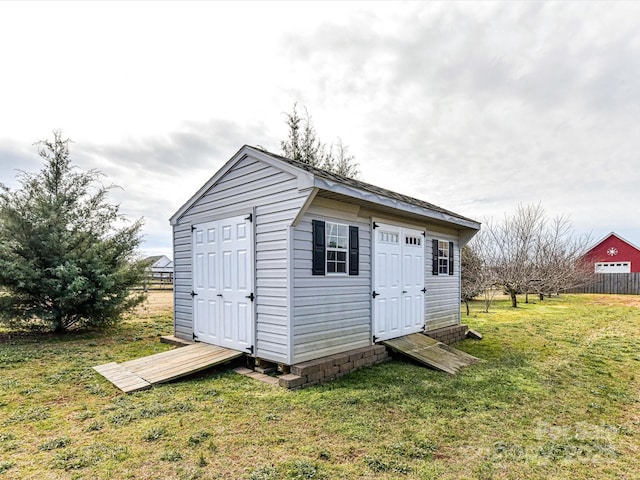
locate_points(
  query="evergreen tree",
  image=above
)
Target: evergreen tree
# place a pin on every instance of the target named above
(303, 145)
(67, 256)
(342, 163)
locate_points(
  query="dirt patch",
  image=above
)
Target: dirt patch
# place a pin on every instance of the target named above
(157, 302)
(622, 300)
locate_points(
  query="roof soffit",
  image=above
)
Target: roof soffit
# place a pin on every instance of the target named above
(373, 200)
(373, 194)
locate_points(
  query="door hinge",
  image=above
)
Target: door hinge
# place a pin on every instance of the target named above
(193, 294)
(374, 294)
(375, 225)
(250, 349)
(194, 335)
(424, 290)
(250, 296)
(375, 339)
(193, 227)
(250, 217)
(424, 234)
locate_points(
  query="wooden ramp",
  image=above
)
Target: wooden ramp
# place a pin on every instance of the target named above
(161, 367)
(430, 352)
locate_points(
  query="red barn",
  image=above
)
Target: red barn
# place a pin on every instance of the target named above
(614, 254)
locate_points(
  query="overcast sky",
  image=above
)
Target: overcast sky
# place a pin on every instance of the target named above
(475, 107)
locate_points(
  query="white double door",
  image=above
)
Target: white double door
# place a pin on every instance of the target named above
(399, 281)
(223, 283)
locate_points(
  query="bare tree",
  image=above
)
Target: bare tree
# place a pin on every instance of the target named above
(527, 253)
(559, 259)
(511, 247)
(471, 271)
(477, 278)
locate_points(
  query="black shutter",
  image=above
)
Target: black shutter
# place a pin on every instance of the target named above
(450, 258)
(434, 256)
(318, 247)
(354, 249)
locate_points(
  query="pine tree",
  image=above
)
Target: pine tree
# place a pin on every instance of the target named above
(67, 256)
(303, 145)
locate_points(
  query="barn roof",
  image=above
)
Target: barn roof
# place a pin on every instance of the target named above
(606, 237)
(339, 187)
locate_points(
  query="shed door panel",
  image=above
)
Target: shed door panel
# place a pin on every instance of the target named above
(413, 280)
(388, 282)
(205, 283)
(223, 282)
(398, 307)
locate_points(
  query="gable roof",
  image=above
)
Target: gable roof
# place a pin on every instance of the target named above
(339, 186)
(606, 237)
(159, 261)
(363, 186)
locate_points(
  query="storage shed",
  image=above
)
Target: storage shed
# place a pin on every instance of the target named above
(290, 263)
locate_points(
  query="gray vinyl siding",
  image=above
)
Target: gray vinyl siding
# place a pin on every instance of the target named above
(331, 313)
(182, 284)
(274, 195)
(442, 301)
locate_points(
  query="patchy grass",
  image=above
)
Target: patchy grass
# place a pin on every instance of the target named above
(556, 396)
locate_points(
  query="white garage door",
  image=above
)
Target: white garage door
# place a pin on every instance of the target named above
(398, 307)
(613, 267)
(223, 283)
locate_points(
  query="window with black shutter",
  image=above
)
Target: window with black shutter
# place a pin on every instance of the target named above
(336, 248)
(318, 228)
(354, 251)
(442, 256)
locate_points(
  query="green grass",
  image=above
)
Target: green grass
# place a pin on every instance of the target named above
(556, 396)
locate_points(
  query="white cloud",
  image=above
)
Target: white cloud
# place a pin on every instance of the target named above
(474, 107)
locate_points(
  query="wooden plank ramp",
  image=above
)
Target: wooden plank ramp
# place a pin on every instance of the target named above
(142, 373)
(430, 352)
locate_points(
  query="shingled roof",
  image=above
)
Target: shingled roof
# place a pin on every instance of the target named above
(363, 186)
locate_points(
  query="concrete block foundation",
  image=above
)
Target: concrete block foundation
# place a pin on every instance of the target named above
(449, 335)
(329, 368)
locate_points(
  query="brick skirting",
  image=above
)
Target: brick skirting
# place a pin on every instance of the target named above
(449, 335)
(335, 366)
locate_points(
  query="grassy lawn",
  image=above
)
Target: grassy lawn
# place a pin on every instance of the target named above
(556, 396)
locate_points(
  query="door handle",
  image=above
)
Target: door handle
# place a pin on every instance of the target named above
(219, 295)
(404, 291)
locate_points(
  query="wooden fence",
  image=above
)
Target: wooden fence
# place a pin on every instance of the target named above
(156, 281)
(619, 283)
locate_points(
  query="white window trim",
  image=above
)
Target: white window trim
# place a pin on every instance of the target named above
(336, 249)
(444, 257)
